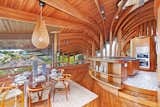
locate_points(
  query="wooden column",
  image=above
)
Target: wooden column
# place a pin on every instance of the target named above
(119, 41)
(157, 14)
(68, 59)
(110, 41)
(145, 29)
(87, 53)
(154, 27)
(62, 57)
(137, 31)
(149, 28)
(74, 58)
(101, 44)
(142, 27)
(54, 49)
(140, 30)
(158, 53)
(93, 49)
(119, 48)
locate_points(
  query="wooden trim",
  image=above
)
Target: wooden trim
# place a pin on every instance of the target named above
(138, 100)
(15, 36)
(140, 90)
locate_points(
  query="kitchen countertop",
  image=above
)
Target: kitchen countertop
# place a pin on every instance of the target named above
(144, 80)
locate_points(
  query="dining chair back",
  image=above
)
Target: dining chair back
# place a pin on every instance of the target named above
(39, 94)
(10, 95)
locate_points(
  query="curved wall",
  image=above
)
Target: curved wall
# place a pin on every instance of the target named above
(134, 23)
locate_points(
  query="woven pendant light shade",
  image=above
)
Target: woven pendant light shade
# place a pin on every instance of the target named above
(40, 36)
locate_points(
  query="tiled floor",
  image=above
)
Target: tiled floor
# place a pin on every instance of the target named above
(144, 80)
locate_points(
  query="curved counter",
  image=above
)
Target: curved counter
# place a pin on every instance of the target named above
(135, 94)
(142, 93)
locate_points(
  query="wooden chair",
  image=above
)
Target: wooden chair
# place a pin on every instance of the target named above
(62, 85)
(7, 95)
(61, 70)
(38, 92)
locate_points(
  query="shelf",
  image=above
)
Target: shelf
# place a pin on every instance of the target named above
(104, 81)
(111, 75)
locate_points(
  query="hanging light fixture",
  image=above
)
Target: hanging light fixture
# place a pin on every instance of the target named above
(40, 36)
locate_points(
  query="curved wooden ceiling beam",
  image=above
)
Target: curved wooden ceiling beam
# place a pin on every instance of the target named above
(136, 24)
(71, 45)
(75, 48)
(143, 17)
(97, 3)
(133, 32)
(132, 35)
(75, 35)
(120, 8)
(72, 37)
(74, 53)
(156, 6)
(117, 14)
(137, 12)
(14, 36)
(132, 14)
(31, 18)
(71, 42)
(137, 21)
(68, 47)
(66, 7)
(122, 18)
(62, 41)
(127, 36)
(76, 38)
(147, 13)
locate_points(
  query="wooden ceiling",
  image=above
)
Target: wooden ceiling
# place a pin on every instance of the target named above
(16, 27)
(80, 21)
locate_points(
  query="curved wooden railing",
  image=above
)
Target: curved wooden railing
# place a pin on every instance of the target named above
(128, 96)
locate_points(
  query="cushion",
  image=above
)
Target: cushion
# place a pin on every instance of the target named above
(60, 84)
(11, 94)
